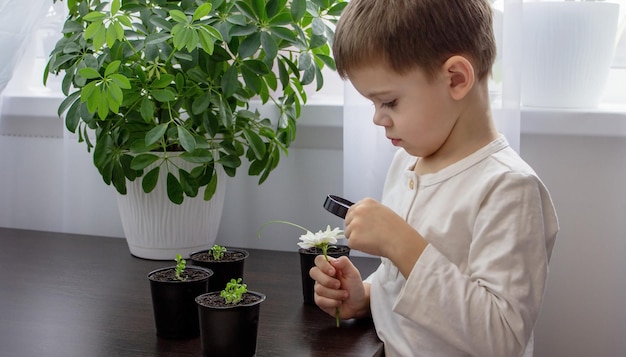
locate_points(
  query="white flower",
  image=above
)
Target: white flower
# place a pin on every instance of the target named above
(328, 237)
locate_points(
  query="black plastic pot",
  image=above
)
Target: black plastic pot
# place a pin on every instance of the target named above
(173, 303)
(223, 270)
(229, 331)
(307, 261)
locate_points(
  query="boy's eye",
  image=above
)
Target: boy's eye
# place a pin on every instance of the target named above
(389, 104)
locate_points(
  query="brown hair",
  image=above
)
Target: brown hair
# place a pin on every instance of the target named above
(405, 33)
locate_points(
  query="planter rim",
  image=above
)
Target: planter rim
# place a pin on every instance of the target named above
(337, 246)
(193, 267)
(260, 295)
(238, 250)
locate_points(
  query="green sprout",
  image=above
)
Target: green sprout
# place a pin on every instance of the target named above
(180, 267)
(218, 251)
(234, 291)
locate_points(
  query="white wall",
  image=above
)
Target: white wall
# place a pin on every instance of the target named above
(584, 312)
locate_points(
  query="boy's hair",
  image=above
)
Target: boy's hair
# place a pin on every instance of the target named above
(405, 33)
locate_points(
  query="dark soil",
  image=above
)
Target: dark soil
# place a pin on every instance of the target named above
(190, 274)
(215, 300)
(229, 256)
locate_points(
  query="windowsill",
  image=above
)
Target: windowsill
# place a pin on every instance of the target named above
(35, 114)
(606, 120)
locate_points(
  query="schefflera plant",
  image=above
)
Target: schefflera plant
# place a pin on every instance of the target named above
(151, 80)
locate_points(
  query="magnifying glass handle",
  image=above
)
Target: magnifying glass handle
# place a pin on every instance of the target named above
(337, 205)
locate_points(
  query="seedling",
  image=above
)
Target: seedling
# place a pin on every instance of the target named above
(218, 251)
(180, 267)
(234, 291)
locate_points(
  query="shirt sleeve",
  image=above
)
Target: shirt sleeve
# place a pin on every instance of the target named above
(489, 307)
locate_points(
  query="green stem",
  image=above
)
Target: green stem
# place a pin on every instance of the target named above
(284, 222)
(325, 251)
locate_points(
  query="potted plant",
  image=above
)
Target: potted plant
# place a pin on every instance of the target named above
(229, 320)
(164, 93)
(311, 245)
(226, 264)
(173, 290)
(568, 47)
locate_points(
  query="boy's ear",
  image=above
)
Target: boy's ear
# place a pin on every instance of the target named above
(460, 76)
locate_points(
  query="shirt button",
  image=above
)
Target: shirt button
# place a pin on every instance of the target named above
(411, 184)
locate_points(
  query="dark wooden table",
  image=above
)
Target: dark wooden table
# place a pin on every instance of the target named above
(71, 295)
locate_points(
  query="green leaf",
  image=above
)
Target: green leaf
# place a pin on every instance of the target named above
(163, 95)
(256, 167)
(95, 16)
(317, 41)
(142, 161)
(284, 33)
(252, 80)
(187, 140)
(200, 104)
(202, 11)
(179, 16)
(111, 35)
(150, 180)
(72, 117)
(117, 178)
(67, 102)
(89, 73)
(259, 9)
(337, 9)
(164, 81)
(206, 41)
(256, 143)
(103, 106)
(155, 134)
(269, 45)
(243, 30)
(112, 68)
(231, 161)
(158, 37)
(245, 9)
(327, 60)
(317, 26)
(174, 189)
(256, 66)
(192, 40)
(198, 156)
(209, 192)
(298, 9)
(147, 110)
(250, 45)
(120, 80)
(225, 113)
(115, 6)
(161, 22)
(230, 82)
(188, 183)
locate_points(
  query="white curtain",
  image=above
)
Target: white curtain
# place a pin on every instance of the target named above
(366, 151)
(17, 22)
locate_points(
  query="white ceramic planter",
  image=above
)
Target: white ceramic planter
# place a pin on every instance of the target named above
(568, 48)
(155, 228)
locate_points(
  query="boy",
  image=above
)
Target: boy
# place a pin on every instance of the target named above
(465, 229)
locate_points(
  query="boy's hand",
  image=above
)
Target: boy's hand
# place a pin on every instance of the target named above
(376, 229)
(338, 283)
(372, 227)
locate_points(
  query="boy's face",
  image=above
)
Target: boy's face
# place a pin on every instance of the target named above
(417, 114)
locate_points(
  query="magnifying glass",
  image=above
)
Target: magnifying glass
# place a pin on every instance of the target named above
(337, 205)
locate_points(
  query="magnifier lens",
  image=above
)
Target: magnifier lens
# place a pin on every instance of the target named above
(337, 205)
